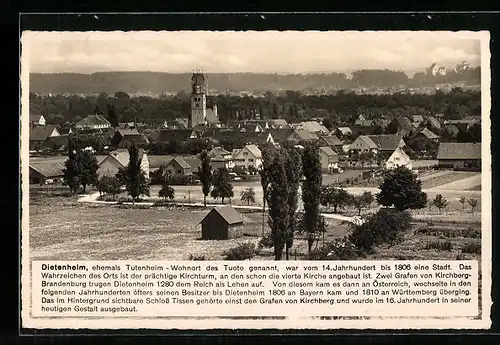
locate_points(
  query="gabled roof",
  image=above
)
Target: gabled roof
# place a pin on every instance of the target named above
(459, 151)
(386, 142)
(344, 130)
(400, 151)
(181, 161)
(280, 135)
(418, 118)
(123, 157)
(57, 142)
(126, 131)
(363, 123)
(245, 137)
(368, 141)
(251, 127)
(433, 122)
(254, 150)
(427, 133)
(228, 213)
(313, 127)
(93, 120)
(193, 162)
(40, 133)
(277, 122)
(211, 118)
(48, 168)
(331, 140)
(218, 151)
(304, 134)
(35, 117)
(328, 151)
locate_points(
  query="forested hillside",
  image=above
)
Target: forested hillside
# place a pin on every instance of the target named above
(157, 83)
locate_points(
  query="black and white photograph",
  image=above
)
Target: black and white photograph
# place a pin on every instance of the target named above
(161, 146)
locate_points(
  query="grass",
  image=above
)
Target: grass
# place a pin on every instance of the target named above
(448, 178)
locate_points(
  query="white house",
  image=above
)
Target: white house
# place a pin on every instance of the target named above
(397, 159)
(329, 159)
(220, 158)
(119, 159)
(93, 122)
(249, 156)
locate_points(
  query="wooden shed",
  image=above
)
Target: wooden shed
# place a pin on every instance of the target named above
(222, 223)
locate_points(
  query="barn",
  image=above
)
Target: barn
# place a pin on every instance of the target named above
(459, 156)
(41, 172)
(222, 223)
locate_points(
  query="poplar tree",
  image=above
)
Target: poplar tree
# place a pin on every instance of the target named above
(205, 175)
(311, 192)
(133, 176)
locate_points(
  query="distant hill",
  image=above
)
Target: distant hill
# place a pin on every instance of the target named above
(157, 83)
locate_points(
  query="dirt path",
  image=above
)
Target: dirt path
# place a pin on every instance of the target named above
(461, 185)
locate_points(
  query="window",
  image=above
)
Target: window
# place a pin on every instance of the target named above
(396, 158)
(179, 171)
(245, 153)
(250, 160)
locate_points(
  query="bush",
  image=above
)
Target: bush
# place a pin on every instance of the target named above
(472, 247)
(444, 232)
(196, 257)
(385, 226)
(339, 249)
(471, 232)
(244, 251)
(439, 245)
(266, 241)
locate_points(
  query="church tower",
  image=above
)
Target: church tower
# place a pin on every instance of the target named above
(198, 100)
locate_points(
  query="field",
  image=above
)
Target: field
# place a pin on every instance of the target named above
(63, 228)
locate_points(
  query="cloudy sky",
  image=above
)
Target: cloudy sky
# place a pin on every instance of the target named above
(249, 51)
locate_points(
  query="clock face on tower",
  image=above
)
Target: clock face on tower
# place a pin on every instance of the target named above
(197, 105)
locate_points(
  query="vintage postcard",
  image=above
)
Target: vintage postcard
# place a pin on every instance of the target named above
(256, 179)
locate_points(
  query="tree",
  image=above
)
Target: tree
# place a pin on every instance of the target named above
(293, 169)
(440, 202)
(109, 185)
(248, 195)
(311, 191)
(368, 198)
(72, 172)
(472, 203)
(87, 168)
(222, 187)
(277, 199)
(113, 115)
(166, 191)
(267, 160)
(336, 197)
(359, 203)
(401, 189)
(205, 175)
(133, 177)
(463, 200)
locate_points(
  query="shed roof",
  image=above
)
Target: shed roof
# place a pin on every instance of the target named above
(328, 151)
(228, 213)
(459, 151)
(181, 161)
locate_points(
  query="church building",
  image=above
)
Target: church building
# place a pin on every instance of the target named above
(201, 115)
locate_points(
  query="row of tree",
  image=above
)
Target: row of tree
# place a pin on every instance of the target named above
(341, 108)
(158, 83)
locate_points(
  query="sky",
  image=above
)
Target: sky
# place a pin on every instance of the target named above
(246, 51)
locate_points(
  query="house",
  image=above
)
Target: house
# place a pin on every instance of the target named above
(119, 159)
(329, 159)
(39, 134)
(64, 130)
(459, 156)
(248, 156)
(384, 144)
(56, 144)
(212, 117)
(178, 166)
(433, 124)
(44, 171)
(405, 126)
(96, 121)
(220, 158)
(463, 124)
(37, 120)
(425, 135)
(314, 127)
(343, 131)
(176, 135)
(244, 138)
(330, 141)
(277, 123)
(294, 135)
(417, 120)
(397, 159)
(222, 223)
(264, 124)
(123, 138)
(253, 127)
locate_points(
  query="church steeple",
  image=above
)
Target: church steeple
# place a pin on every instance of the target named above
(198, 100)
